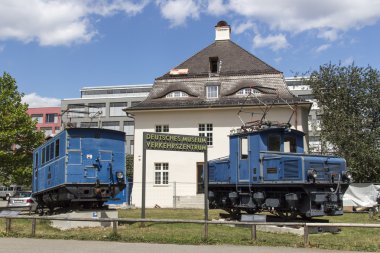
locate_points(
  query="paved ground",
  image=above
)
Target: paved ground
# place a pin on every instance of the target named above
(21, 245)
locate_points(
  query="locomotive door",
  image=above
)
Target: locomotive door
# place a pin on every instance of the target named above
(243, 159)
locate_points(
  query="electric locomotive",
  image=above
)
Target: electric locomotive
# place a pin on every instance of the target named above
(79, 168)
(267, 170)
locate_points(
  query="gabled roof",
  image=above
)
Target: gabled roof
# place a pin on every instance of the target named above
(234, 61)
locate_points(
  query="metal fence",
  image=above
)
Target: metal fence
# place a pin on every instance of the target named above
(253, 225)
(169, 195)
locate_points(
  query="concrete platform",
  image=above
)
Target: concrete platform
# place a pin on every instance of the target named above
(92, 214)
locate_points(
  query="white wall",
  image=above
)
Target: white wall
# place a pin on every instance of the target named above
(182, 165)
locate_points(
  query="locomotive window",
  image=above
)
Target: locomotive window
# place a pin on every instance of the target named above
(290, 144)
(244, 147)
(52, 151)
(57, 148)
(47, 155)
(36, 160)
(43, 156)
(274, 142)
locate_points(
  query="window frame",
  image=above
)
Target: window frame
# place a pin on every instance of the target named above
(162, 128)
(161, 174)
(206, 130)
(210, 94)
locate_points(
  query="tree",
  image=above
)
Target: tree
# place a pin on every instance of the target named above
(18, 137)
(129, 165)
(349, 97)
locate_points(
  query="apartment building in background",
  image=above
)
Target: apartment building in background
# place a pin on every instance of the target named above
(48, 119)
(102, 107)
(298, 86)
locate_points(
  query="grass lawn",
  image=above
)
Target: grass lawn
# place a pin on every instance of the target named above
(356, 239)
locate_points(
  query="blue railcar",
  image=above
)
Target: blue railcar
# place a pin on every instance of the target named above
(81, 167)
(267, 170)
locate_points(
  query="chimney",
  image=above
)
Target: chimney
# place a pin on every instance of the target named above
(222, 31)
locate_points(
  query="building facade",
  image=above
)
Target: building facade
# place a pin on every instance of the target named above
(299, 87)
(218, 89)
(48, 119)
(101, 107)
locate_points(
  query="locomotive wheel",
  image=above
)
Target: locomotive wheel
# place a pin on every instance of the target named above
(40, 210)
(235, 213)
(287, 215)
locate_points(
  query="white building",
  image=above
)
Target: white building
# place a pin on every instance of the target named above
(203, 96)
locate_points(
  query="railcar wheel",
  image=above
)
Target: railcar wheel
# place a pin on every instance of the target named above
(40, 210)
(304, 217)
(287, 215)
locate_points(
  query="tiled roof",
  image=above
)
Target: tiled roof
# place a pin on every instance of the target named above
(272, 88)
(234, 61)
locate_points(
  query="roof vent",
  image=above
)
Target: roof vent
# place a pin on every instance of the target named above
(222, 31)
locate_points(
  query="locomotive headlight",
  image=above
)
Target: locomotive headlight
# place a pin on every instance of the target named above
(346, 176)
(120, 177)
(312, 174)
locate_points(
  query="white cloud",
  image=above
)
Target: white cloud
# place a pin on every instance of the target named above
(178, 11)
(322, 48)
(299, 15)
(34, 101)
(216, 7)
(241, 28)
(57, 22)
(330, 35)
(275, 42)
(348, 61)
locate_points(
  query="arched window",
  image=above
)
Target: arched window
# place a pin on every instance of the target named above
(247, 91)
(177, 94)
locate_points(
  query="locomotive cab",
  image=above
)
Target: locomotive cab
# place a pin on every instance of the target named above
(267, 170)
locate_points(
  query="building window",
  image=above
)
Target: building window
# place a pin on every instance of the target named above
(161, 173)
(37, 117)
(116, 109)
(51, 118)
(177, 94)
(132, 146)
(212, 91)
(214, 64)
(96, 110)
(162, 128)
(129, 127)
(47, 130)
(89, 124)
(76, 111)
(247, 91)
(205, 130)
(113, 125)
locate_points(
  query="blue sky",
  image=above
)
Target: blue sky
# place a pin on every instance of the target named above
(55, 47)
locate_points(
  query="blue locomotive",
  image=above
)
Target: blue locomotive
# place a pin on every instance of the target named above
(79, 167)
(267, 170)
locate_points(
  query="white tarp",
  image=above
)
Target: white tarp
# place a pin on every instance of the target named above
(362, 195)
